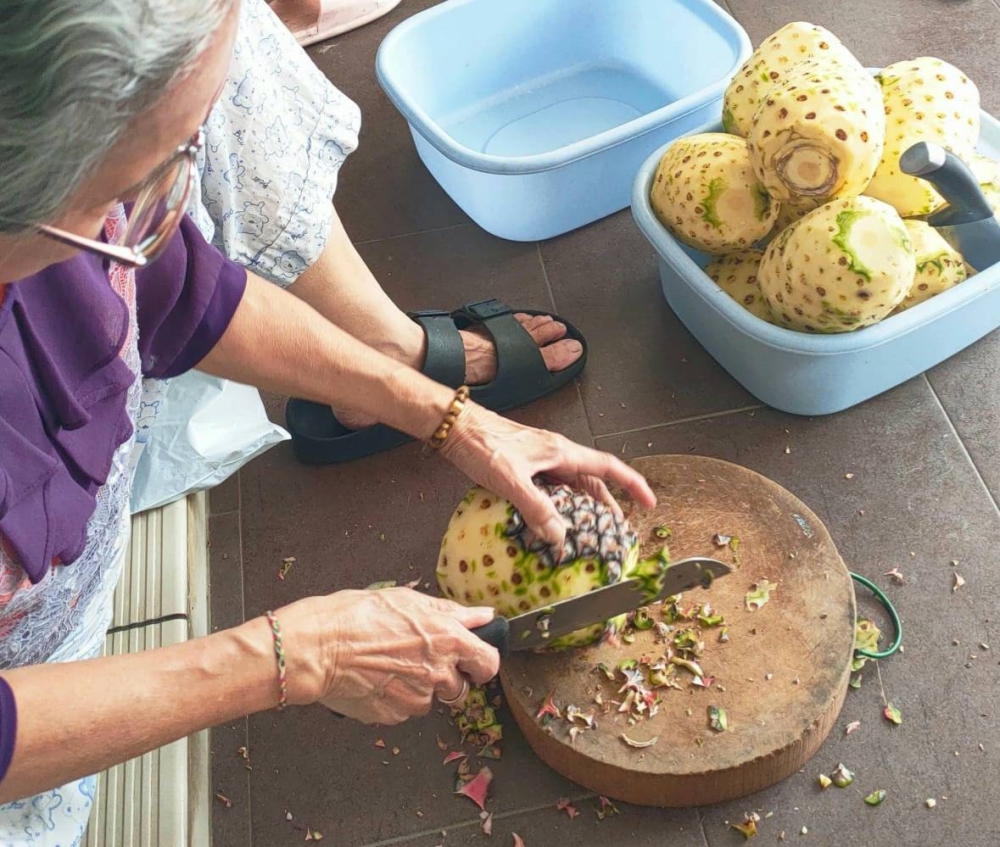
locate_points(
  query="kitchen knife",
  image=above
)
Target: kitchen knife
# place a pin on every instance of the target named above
(967, 223)
(537, 628)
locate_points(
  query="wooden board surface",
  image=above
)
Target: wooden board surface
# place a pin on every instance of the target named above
(781, 678)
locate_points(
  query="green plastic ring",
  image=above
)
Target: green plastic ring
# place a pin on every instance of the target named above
(897, 625)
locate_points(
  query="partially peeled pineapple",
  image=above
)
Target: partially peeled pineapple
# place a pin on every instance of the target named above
(490, 557)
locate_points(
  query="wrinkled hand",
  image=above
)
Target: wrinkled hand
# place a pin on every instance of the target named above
(382, 656)
(505, 457)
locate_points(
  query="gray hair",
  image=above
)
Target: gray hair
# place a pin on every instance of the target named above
(73, 74)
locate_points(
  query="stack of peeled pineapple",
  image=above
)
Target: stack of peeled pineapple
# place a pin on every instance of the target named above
(801, 201)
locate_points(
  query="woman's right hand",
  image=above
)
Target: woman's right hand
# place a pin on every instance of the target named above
(382, 656)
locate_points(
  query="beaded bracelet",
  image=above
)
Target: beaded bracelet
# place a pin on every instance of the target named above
(279, 652)
(441, 434)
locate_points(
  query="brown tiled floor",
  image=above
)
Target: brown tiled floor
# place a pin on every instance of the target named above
(927, 475)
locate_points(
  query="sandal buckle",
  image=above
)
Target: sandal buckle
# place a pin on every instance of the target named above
(486, 309)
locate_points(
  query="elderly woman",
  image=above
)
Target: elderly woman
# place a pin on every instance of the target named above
(101, 103)
(275, 141)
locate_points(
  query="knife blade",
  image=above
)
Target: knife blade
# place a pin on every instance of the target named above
(537, 628)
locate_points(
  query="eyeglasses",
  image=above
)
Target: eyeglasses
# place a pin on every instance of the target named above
(155, 215)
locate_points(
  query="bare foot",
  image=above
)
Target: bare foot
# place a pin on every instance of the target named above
(558, 352)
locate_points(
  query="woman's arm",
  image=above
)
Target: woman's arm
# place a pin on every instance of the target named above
(277, 342)
(78, 718)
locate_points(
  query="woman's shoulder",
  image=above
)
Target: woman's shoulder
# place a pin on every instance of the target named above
(63, 391)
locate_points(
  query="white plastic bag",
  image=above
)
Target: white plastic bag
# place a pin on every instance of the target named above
(206, 429)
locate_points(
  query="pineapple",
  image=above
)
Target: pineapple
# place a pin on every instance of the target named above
(706, 194)
(769, 66)
(926, 99)
(489, 556)
(818, 135)
(736, 274)
(939, 265)
(987, 173)
(843, 266)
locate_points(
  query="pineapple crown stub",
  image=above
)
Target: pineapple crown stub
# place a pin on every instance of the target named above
(593, 531)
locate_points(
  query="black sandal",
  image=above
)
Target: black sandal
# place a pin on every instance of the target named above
(318, 438)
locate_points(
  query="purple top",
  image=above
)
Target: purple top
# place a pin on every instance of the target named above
(63, 388)
(63, 381)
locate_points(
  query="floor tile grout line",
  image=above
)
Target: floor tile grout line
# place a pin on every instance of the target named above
(545, 276)
(962, 444)
(679, 421)
(497, 816)
(409, 234)
(225, 514)
(701, 825)
(243, 615)
(555, 310)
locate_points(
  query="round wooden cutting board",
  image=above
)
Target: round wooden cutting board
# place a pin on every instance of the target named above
(781, 677)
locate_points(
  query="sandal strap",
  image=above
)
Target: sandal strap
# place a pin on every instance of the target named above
(520, 366)
(444, 361)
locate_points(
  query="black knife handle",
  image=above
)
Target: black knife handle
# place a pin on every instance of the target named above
(496, 633)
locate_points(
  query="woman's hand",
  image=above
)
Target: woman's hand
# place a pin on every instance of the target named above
(383, 656)
(505, 457)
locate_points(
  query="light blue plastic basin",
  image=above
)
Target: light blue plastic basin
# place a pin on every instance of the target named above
(534, 115)
(817, 374)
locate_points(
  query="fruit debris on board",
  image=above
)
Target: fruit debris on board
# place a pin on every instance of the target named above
(632, 742)
(759, 594)
(717, 718)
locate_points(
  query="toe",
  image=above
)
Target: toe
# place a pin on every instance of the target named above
(543, 328)
(561, 354)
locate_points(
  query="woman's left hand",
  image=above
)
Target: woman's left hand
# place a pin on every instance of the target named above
(505, 457)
